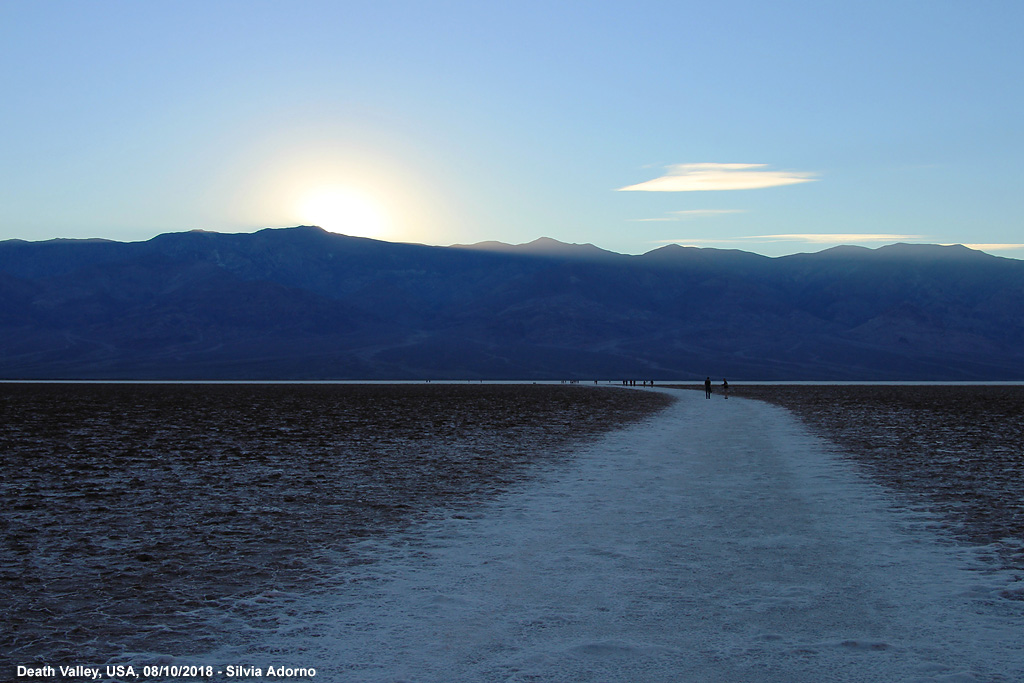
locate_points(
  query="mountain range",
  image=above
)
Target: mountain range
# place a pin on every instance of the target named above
(302, 303)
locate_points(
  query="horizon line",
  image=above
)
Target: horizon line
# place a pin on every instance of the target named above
(703, 244)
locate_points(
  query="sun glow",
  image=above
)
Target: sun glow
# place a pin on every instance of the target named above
(345, 210)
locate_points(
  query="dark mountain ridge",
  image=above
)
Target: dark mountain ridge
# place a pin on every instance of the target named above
(302, 303)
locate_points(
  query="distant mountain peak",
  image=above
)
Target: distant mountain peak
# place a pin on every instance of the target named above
(78, 240)
(905, 250)
(298, 229)
(678, 254)
(547, 245)
(550, 243)
(936, 251)
(543, 246)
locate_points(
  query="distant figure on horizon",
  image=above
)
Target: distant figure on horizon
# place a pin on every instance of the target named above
(725, 388)
(707, 388)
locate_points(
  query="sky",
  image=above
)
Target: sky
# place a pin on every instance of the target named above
(772, 127)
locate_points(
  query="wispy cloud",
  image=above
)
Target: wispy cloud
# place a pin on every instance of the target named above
(994, 247)
(705, 177)
(687, 215)
(834, 238)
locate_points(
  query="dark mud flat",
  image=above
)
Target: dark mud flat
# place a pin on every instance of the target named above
(954, 450)
(153, 518)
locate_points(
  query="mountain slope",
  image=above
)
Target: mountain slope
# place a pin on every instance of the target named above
(302, 303)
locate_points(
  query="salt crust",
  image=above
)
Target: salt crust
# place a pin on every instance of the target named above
(717, 541)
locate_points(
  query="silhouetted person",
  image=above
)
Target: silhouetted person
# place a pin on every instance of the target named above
(725, 388)
(707, 388)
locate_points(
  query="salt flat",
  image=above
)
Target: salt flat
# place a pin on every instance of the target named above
(717, 541)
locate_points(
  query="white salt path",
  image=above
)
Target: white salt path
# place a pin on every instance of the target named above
(718, 541)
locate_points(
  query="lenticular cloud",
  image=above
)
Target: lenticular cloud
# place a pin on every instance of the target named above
(703, 177)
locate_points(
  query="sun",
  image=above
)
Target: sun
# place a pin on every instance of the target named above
(344, 210)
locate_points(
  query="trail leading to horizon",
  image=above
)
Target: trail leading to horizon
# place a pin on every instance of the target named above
(717, 541)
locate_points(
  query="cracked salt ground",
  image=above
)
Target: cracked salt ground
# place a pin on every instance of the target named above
(717, 541)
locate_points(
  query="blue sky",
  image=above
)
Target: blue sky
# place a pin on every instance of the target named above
(770, 127)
